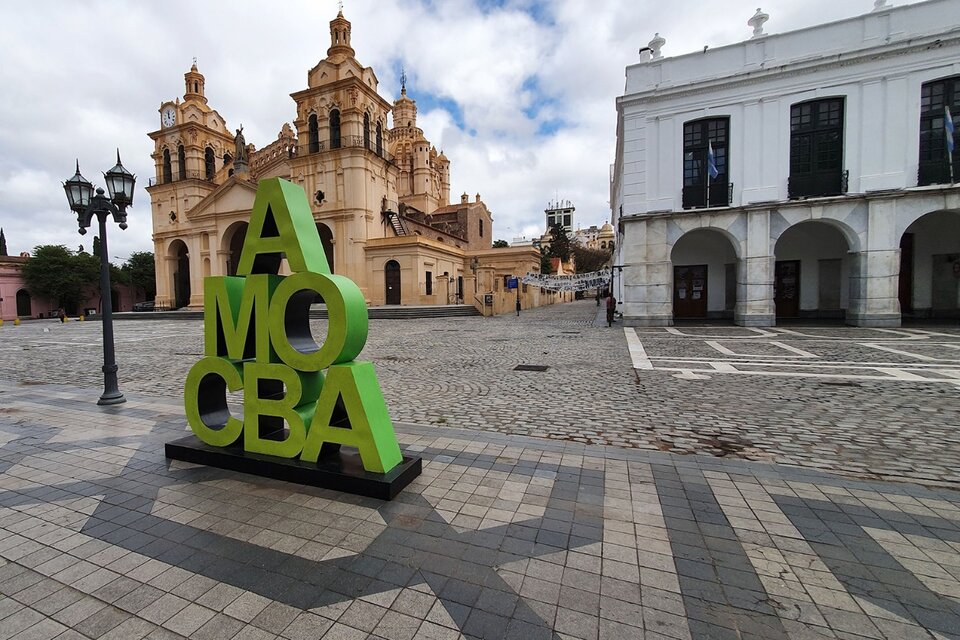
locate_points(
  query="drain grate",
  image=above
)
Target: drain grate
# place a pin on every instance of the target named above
(531, 367)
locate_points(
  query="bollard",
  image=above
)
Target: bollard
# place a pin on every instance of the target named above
(80, 318)
(16, 322)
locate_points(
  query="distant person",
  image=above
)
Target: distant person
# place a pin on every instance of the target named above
(611, 308)
(62, 315)
(518, 306)
(598, 296)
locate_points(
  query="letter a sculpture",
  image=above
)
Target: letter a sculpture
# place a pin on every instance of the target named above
(301, 401)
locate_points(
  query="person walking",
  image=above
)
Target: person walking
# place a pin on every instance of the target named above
(518, 306)
(611, 308)
(62, 315)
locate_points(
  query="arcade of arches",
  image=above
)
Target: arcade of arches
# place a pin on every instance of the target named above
(867, 261)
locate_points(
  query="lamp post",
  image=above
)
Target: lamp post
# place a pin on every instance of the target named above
(85, 204)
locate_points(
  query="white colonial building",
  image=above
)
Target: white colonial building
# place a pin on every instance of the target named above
(796, 175)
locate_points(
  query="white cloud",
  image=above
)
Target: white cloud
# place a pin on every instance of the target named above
(81, 79)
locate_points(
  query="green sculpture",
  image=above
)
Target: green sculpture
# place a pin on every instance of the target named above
(257, 339)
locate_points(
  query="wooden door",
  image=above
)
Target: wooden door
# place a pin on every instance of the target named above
(392, 282)
(786, 288)
(690, 291)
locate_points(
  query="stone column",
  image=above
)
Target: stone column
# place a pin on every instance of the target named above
(166, 265)
(875, 271)
(647, 274)
(196, 273)
(755, 270)
(874, 294)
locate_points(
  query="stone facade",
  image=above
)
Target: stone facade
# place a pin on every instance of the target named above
(379, 193)
(795, 175)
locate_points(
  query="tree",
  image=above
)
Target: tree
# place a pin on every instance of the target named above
(559, 243)
(56, 273)
(140, 268)
(500, 244)
(545, 267)
(589, 260)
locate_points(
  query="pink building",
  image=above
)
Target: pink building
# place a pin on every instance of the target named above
(17, 301)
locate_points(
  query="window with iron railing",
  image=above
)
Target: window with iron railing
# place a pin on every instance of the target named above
(699, 188)
(167, 171)
(335, 129)
(181, 163)
(314, 135)
(935, 98)
(816, 149)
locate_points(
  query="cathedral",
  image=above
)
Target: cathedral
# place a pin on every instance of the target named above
(379, 192)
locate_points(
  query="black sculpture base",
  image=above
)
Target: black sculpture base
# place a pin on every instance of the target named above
(342, 472)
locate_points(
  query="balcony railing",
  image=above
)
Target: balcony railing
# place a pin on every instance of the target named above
(188, 175)
(697, 196)
(818, 184)
(936, 172)
(350, 142)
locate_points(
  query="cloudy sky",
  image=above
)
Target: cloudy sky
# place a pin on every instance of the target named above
(519, 94)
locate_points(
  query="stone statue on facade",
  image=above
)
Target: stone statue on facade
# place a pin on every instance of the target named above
(240, 161)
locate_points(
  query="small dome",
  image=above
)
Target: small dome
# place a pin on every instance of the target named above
(606, 228)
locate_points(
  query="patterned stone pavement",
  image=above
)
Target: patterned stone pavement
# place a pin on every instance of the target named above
(594, 529)
(873, 403)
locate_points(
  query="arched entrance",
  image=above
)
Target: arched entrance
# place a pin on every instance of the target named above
(929, 284)
(704, 275)
(233, 242)
(391, 276)
(326, 239)
(181, 276)
(24, 304)
(811, 271)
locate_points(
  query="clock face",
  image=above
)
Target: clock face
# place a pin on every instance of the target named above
(169, 117)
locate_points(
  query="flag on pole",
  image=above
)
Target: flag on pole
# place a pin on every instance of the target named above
(947, 130)
(711, 162)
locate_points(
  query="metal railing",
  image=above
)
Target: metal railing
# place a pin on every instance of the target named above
(350, 142)
(177, 177)
(818, 184)
(699, 196)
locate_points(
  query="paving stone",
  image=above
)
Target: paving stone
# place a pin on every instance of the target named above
(567, 515)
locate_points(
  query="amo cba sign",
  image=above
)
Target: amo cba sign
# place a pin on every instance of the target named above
(257, 339)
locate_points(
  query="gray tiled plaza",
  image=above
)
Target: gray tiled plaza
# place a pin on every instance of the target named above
(551, 504)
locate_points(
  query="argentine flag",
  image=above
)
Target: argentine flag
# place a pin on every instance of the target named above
(712, 161)
(947, 130)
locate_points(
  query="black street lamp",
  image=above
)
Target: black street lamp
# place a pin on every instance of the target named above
(85, 204)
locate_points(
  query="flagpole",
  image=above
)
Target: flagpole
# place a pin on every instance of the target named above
(948, 130)
(706, 183)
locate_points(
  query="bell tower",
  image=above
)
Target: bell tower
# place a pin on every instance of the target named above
(340, 37)
(193, 85)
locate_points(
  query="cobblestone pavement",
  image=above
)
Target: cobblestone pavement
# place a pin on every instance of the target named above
(869, 402)
(502, 536)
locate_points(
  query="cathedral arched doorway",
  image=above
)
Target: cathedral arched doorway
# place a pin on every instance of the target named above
(929, 284)
(704, 275)
(391, 276)
(24, 304)
(233, 241)
(181, 276)
(326, 239)
(812, 266)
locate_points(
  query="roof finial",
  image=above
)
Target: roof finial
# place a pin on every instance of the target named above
(757, 23)
(340, 7)
(403, 81)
